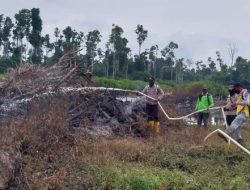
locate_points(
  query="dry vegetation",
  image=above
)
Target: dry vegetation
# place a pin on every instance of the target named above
(47, 153)
(50, 156)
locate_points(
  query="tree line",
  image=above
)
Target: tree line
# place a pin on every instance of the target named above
(21, 41)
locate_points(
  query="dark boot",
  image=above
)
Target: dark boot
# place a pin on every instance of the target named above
(241, 142)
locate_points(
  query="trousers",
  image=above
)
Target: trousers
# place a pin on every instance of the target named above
(202, 117)
(152, 112)
(236, 125)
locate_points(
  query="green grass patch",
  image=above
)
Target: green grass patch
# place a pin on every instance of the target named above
(214, 88)
(1, 77)
(127, 177)
(119, 83)
(129, 84)
(219, 167)
(140, 178)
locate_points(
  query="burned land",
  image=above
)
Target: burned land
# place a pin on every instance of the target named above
(58, 134)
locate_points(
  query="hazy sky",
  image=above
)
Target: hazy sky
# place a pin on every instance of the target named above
(200, 27)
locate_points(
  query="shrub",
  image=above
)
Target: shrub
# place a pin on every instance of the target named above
(6, 63)
(214, 88)
(1, 77)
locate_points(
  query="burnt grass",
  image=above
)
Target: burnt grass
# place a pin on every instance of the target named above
(52, 156)
(87, 140)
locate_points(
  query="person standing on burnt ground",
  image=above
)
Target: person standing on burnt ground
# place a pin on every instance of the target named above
(157, 93)
(242, 110)
(230, 108)
(203, 103)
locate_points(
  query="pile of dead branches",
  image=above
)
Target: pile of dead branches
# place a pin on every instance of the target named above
(103, 112)
(27, 80)
(30, 89)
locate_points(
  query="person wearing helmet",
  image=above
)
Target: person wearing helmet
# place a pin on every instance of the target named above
(157, 93)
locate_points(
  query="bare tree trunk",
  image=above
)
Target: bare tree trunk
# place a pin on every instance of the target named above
(127, 71)
(171, 73)
(140, 52)
(118, 63)
(92, 61)
(155, 68)
(27, 49)
(92, 65)
(149, 67)
(113, 65)
(177, 75)
(5, 49)
(21, 51)
(232, 50)
(17, 40)
(107, 68)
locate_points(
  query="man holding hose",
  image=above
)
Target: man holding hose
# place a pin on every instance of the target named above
(157, 93)
(242, 111)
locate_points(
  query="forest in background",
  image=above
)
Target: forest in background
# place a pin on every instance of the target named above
(21, 41)
(43, 152)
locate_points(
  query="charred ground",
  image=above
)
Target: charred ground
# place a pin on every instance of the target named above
(56, 137)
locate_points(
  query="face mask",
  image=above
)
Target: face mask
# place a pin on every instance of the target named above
(231, 92)
(151, 83)
(204, 91)
(237, 91)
